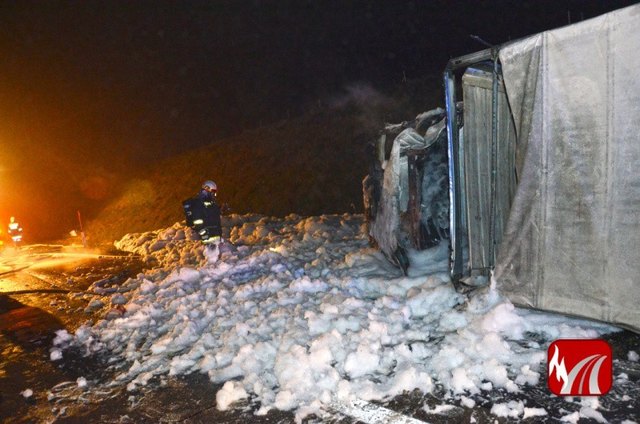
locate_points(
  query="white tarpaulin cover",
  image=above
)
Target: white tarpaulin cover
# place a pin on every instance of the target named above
(572, 242)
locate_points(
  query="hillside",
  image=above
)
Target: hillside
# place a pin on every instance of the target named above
(308, 165)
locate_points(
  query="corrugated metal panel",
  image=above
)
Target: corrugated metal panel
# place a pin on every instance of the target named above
(482, 205)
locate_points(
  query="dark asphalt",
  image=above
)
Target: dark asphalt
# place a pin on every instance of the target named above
(54, 299)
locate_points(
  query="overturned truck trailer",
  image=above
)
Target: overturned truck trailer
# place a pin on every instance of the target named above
(543, 151)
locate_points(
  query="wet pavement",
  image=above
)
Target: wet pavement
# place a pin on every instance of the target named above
(42, 290)
(40, 294)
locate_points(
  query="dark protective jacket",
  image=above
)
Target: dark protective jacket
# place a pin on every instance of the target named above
(202, 213)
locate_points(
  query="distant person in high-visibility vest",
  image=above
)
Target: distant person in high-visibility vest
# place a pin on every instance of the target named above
(15, 231)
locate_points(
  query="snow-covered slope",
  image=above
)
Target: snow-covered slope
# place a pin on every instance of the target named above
(299, 313)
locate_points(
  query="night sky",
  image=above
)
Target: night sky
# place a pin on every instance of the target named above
(93, 89)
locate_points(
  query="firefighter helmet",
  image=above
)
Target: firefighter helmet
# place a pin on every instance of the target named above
(210, 185)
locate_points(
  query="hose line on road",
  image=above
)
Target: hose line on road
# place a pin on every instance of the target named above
(14, 270)
(11, 293)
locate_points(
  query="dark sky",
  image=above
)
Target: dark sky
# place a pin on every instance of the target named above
(90, 89)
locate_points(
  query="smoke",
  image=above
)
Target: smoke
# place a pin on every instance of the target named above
(361, 95)
(372, 107)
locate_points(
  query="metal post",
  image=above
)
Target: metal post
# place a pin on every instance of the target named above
(415, 161)
(84, 239)
(454, 175)
(494, 160)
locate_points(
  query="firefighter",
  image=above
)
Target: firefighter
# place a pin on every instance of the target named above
(15, 231)
(203, 214)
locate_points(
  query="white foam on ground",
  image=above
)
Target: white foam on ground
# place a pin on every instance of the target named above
(303, 314)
